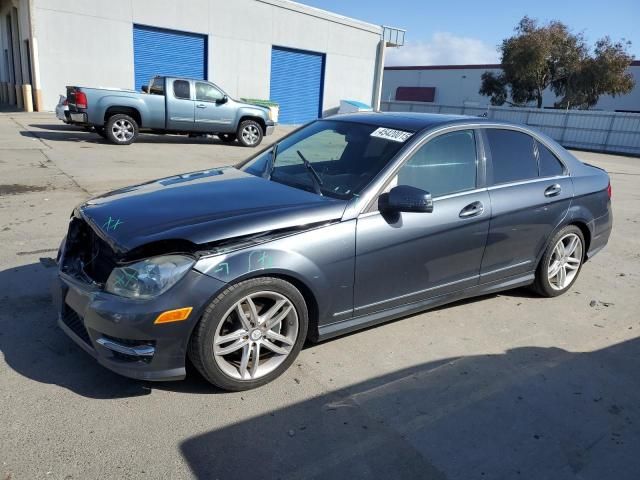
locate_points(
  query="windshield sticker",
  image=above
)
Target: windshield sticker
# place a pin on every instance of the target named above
(391, 134)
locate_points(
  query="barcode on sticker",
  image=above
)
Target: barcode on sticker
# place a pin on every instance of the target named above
(391, 134)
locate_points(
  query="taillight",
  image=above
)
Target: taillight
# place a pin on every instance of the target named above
(81, 100)
(609, 189)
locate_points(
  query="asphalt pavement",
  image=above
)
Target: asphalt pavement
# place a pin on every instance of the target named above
(499, 387)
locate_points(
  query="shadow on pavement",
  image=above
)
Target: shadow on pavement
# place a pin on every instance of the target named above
(528, 413)
(34, 346)
(531, 412)
(66, 133)
(61, 127)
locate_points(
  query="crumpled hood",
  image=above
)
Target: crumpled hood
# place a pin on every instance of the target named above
(203, 207)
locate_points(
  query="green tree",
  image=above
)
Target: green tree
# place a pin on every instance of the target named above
(538, 57)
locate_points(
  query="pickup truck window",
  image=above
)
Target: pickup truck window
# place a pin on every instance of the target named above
(207, 93)
(182, 89)
(157, 86)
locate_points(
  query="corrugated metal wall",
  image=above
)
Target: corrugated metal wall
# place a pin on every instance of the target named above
(614, 132)
(158, 51)
(297, 84)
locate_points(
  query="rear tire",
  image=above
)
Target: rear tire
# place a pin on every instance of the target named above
(250, 133)
(264, 318)
(561, 263)
(121, 129)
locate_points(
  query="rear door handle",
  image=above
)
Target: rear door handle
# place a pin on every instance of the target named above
(472, 210)
(553, 190)
(201, 105)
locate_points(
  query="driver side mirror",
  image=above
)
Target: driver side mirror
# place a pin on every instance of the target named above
(145, 88)
(222, 100)
(405, 198)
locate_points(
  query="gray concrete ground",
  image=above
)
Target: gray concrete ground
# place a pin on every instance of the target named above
(505, 386)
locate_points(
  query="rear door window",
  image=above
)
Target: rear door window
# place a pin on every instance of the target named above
(512, 156)
(549, 164)
(182, 89)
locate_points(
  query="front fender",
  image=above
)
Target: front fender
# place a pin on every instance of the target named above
(322, 259)
(249, 111)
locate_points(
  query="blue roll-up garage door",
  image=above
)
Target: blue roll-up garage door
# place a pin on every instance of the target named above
(157, 51)
(296, 84)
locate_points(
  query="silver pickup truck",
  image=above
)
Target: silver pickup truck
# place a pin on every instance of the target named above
(168, 105)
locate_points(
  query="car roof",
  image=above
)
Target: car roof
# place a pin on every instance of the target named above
(408, 120)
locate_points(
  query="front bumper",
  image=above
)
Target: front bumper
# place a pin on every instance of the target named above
(270, 128)
(119, 332)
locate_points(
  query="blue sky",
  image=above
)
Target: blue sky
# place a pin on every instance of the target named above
(464, 31)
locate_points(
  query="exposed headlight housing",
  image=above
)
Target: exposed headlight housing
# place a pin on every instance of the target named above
(148, 278)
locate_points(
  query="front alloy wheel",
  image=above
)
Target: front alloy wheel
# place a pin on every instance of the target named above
(250, 333)
(256, 335)
(249, 133)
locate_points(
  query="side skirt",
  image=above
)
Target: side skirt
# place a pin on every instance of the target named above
(364, 321)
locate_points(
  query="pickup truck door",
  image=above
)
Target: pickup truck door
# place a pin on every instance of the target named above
(214, 113)
(180, 105)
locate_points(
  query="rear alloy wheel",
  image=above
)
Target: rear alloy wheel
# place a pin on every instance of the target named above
(121, 129)
(249, 133)
(227, 137)
(250, 334)
(561, 262)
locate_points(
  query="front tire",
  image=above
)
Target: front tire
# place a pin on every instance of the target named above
(561, 263)
(121, 129)
(250, 333)
(249, 133)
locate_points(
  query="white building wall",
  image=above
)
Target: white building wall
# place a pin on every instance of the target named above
(90, 42)
(459, 86)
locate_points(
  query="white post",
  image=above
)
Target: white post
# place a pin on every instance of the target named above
(377, 85)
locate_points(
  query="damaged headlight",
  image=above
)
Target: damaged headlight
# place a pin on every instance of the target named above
(148, 278)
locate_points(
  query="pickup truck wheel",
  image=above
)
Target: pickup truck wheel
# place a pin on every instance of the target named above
(227, 137)
(250, 133)
(121, 129)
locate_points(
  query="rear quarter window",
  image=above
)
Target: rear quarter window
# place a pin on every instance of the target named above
(182, 89)
(512, 156)
(549, 164)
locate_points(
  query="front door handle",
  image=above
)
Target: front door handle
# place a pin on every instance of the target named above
(201, 105)
(472, 210)
(553, 190)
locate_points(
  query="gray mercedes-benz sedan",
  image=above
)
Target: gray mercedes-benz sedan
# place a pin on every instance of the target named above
(345, 223)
